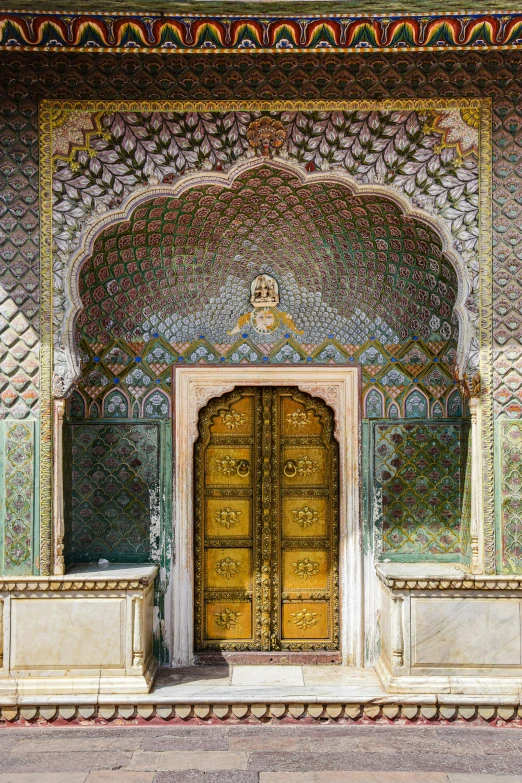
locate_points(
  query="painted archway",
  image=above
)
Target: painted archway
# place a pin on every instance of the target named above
(356, 267)
(362, 281)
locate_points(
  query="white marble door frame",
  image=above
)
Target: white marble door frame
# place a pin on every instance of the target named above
(339, 387)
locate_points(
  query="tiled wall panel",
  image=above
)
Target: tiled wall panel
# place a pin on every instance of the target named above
(24, 79)
(19, 495)
(112, 492)
(418, 490)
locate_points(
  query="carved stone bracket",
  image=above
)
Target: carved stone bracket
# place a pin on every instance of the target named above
(65, 584)
(201, 395)
(466, 582)
(330, 395)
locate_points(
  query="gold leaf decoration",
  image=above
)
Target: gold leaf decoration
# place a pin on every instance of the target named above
(288, 321)
(227, 517)
(305, 619)
(227, 567)
(306, 568)
(233, 419)
(305, 466)
(306, 516)
(297, 419)
(226, 465)
(227, 618)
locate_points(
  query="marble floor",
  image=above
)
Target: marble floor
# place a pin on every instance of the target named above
(240, 682)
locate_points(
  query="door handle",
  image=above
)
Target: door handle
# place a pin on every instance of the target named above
(243, 468)
(290, 468)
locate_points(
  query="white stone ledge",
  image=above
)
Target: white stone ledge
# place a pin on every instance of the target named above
(89, 631)
(116, 576)
(441, 576)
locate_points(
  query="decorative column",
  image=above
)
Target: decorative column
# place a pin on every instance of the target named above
(58, 519)
(471, 389)
(137, 633)
(476, 523)
(397, 636)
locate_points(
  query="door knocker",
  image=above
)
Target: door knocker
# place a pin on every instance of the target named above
(243, 468)
(290, 468)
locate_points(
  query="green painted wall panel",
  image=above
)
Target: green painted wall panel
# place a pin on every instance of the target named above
(19, 517)
(113, 492)
(508, 490)
(417, 489)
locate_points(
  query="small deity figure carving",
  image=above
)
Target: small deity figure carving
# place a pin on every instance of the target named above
(265, 318)
(264, 291)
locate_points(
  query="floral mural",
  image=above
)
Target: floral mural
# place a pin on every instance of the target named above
(428, 157)
(359, 75)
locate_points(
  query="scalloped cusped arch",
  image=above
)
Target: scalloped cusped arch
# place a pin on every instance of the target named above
(349, 266)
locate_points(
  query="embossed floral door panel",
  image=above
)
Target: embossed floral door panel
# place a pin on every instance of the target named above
(266, 535)
(307, 497)
(227, 498)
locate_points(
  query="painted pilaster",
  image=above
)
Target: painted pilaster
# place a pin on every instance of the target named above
(476, 525)
(58, 517)
(18, 497)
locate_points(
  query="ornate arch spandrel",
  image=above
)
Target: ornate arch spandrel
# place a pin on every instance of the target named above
(50, 109)
(189, 181)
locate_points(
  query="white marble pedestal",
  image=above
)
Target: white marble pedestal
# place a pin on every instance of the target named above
(444, 630)
(89, 631)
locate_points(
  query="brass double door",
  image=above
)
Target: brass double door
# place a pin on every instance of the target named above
(266, 523)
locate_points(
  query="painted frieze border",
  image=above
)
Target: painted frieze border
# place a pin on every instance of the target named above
(51, 110)
(246, 34)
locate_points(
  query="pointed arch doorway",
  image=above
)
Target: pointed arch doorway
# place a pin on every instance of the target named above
(337, 392)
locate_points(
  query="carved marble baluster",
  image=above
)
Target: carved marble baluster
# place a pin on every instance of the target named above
(58, 517)
(397, 636)
(137, 636)
(476, 566)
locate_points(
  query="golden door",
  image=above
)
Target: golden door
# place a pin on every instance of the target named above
(266, 523)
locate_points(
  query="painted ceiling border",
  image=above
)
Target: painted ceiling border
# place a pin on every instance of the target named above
(245, 33)
(52, 111)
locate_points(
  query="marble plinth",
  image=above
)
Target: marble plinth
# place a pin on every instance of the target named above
(447, 631)
(89, 631)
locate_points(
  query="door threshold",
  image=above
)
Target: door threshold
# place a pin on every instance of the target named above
(279, 658)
